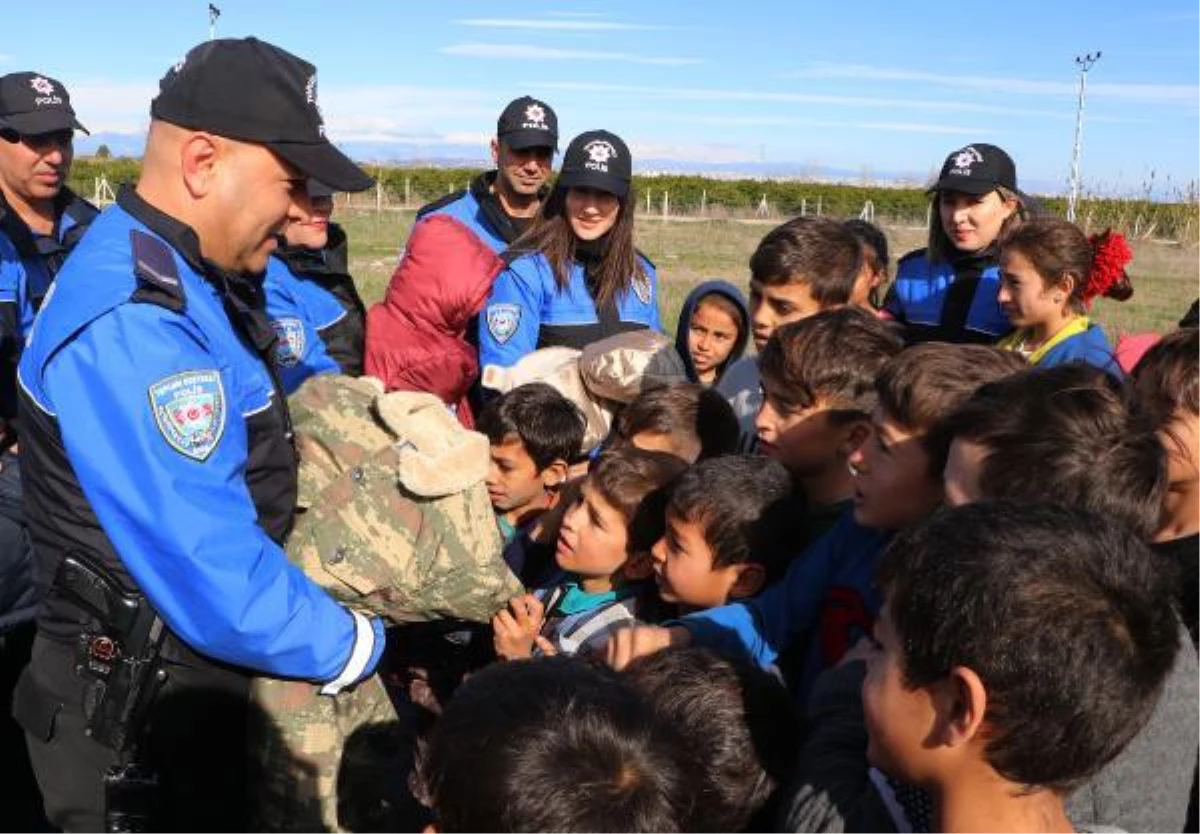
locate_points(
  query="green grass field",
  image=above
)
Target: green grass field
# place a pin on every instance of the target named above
(1166, 276)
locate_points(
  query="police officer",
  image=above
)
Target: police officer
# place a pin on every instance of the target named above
(159, 469)
(313, 304)
(947, 291)
(41, 220)
(501, 204)
(576, 278)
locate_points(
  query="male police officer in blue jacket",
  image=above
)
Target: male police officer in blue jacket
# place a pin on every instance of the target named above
(501, 204)
(159, 468)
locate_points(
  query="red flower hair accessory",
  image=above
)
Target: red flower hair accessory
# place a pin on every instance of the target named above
(1110, 255)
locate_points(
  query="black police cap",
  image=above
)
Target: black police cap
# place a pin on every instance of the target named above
(977, 169)
(253, 91)
(528, 122)
(597, 159)
(32, 103)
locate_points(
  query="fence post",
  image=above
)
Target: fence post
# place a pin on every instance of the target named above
(666, 204)
(818, 205)
(378, 196)
(408, 192)
(703, 201)
(648, 207)
(803, 206)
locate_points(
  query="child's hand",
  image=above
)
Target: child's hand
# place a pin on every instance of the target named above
(516, 630)
(627, 644)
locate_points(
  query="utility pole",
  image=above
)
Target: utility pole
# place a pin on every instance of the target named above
(1084, 62)
(213, 14)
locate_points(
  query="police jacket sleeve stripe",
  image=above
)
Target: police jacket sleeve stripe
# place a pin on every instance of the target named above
(176, 507)
(367, 647)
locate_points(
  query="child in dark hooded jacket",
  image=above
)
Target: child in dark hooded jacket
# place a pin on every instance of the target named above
(714, 326)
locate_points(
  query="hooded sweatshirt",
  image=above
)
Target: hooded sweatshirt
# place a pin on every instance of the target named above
(729, 291)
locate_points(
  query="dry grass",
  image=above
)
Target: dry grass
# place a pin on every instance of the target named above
(1166, 276)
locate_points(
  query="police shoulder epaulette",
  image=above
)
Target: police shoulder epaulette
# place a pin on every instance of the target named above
(437, 204)
(643, 256)
(158, 277)
(916, 253)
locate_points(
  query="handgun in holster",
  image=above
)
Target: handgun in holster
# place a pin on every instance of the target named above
(120, 663)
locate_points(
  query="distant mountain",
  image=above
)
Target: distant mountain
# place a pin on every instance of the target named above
(444, 155)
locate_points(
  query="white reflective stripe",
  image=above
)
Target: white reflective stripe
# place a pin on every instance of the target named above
(261, 408)
(364, 647)
(332, 322)
(36, 401)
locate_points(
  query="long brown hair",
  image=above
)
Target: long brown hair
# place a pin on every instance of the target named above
(552, 235)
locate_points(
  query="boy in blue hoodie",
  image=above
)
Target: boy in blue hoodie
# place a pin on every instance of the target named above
(827, 599)
(714, 326)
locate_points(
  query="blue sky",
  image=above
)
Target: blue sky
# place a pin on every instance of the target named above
(859, 90)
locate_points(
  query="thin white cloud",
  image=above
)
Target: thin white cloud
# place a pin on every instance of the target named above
(541, 24)
(575, 14)
(1148, 93)
(518, 52)
(711, 153)
(715, 94)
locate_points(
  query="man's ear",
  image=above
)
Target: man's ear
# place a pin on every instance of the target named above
(962, 703)
(751, 577)
(853, 435)
(198, 157)
(555, 475)
(638, 566)
(495, 151)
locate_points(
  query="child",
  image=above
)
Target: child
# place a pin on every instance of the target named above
(1050, 274)
(714, 326)
(604, 553)
(1064, 436)
(684, 419)
(804, 266)
(535, 432)
(874, 273)
(1164, 391)
(1020, 648)
(827, 598)
(818, 382)
(731, 523)
(555, 744)
(740, 724)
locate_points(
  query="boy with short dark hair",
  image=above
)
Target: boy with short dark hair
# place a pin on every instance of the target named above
(738, 721)
(818, 383)
(535, 432)
(684, 419)
(731, 523)
(800, 268)
(1021, 648)
(555, 744)
(1064, 435)
(827, 599)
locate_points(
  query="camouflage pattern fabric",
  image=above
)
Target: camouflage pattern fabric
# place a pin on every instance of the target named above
(395, 521)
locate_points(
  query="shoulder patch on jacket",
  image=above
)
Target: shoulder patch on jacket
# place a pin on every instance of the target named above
(158, 277)
(916, 253)
(442, 203)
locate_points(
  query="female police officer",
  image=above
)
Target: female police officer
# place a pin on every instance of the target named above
(575, 277)
(947, 291)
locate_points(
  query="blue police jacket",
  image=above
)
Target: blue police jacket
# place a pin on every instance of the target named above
(527, 310)
(28, 264)
(299, 311)
(478, 209)
(155, 440)
(948, 301)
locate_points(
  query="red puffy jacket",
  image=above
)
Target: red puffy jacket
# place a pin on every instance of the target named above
(416, 336)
